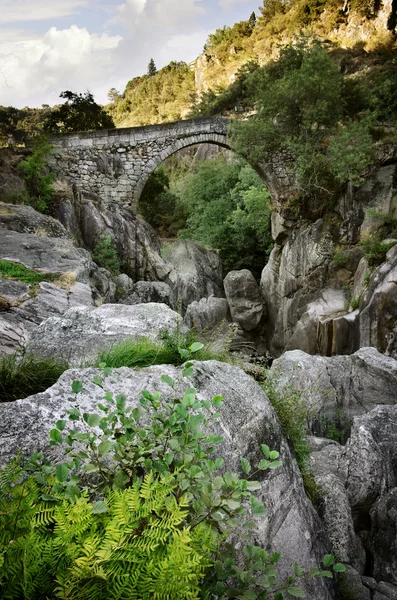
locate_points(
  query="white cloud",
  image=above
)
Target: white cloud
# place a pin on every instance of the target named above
(229, 4)
(37, 70)
(163, 15)
(12, 11)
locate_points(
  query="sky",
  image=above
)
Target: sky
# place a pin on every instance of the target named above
(47, 46)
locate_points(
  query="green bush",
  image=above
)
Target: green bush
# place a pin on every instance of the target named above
(340, 258)
(152, 517)
(18, 272)
(22, 376)
(38, 178)
(229, 210)
(105, 254)
(375, 249)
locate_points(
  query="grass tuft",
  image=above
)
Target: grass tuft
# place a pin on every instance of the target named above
(21, 377)
(18, 272)
(145, 352)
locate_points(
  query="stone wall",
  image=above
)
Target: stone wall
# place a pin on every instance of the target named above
(116, 163)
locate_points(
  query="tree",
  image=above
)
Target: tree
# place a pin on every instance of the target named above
(113, 95)
(151, 70)
(252, 20)
(79, 113)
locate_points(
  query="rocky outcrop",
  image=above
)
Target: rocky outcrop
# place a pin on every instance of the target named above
(378, 307)
(244, 298)
(82, 333)
(294, 277)
(143, 292)
(86, 217)
(339, 387)
(78, 280)
(24, 219)
(197, 272)
(206, 314)
(247, 419)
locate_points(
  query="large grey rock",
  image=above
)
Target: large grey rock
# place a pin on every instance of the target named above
(244, 298)
(355, 383)
(144, 292)
(206, 314)
(83, 332)
(328, 465)
(197, 272)
(290, 525)
(294, 277)
(46, 254)
(24, 219)
(378, 323)
(22, 316)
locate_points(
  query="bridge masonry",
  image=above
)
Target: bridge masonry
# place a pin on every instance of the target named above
(115, 164)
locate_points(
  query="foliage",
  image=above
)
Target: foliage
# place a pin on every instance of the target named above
(80, 112)
(350, 152)
(145, 352)
(150, 99)
(340, 258)
(293, 413)
(22, 376)
(375, 249)
(154, 515)
(229, 210)
(22, 123)
(38, 178)
(105, 254)
(17, 271)
(157, 203)
(339, 427)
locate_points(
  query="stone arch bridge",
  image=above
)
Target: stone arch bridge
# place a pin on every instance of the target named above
(115, 164)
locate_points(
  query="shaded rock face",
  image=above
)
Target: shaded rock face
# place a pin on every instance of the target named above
(138, 247)
(247, 419)
(82, 333)
(197, 272)
(149, 291)
(244, 298)
(378, 307)
(295, 275)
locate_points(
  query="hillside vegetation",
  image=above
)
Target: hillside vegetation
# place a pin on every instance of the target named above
(358, 35)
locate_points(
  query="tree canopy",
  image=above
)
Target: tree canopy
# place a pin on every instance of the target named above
(79, 113)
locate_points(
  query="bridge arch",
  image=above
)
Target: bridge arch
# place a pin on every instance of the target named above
(115, 164)
(205, 138)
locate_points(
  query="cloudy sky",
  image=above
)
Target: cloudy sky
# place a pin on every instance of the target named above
(47, 46)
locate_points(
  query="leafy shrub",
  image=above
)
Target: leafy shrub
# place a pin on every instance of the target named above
(350, 152)
(375, 249)
(105, 254)
(23, 376)
(38, 178)
(153, 519)
(80, 112)
(12, 270)
(340, 258)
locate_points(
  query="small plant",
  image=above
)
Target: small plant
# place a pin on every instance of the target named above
(18, 272)
(355, 302)
(375, 249)
(22, 376)
(340, 258)
(387, 218)
(38, 178)
(339, 427)
(105, 254)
